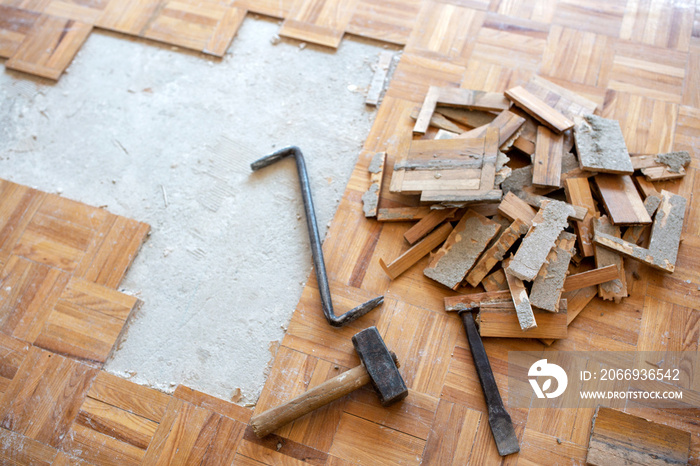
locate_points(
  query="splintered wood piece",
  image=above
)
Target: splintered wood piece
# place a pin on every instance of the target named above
(516, 209)
(377, 85)
(49, 46)
(539, 109)
(402, 214)
(665, 236)
(370, 199)
(590, 278)
(621, 438)
(518, 293)
(468, 302)
(578, 193)
(488, 168)
(601, 146)
(417, 252)
(614, 289)
(507, 122)
(451, 197)
(428, 224)
(496, 252)
(621, 200)
(495, 281)
(477, 100)
(546, 227)
(499, 319)
(462, 248)
(662, 167)
(439, 121)
(549, 283)
(549, 149)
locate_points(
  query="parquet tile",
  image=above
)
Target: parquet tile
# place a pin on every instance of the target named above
(15, 24)
(44, 397)
(636, 60)
(49, 46)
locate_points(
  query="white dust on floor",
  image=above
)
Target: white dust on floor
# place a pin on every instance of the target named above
(165, 136)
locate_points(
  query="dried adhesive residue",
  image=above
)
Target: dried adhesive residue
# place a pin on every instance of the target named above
(370, 199)
(600, 144)
(375, 166)
(674, 160)
(525, 316)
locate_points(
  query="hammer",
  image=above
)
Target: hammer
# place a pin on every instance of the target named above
(499, 419)
(378, 366)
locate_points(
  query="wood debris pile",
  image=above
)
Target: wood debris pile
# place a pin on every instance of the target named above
(542, 238)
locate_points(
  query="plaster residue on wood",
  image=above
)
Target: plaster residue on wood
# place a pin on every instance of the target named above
(547, 287)
(614, 289)
(675, 161)
(546, 227)
(601, 145)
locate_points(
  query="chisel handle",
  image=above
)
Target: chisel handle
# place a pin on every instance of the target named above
(330, 390)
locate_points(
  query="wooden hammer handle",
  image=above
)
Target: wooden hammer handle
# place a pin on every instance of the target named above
(330, 390)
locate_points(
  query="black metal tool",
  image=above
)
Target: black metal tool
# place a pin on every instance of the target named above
(315, 239)
(499, 419)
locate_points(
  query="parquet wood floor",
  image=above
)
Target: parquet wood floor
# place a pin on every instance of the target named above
(60, 261)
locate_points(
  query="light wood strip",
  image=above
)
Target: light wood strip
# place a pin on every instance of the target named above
(621, 200)
(376, 86)
(427, 224)
(516, 209)
(590, 278)
(578, 193)
(471, 301)
(521, 301)
(500, 320)
(417, 252)
(539, 110)
(549, 149)
(496, 252)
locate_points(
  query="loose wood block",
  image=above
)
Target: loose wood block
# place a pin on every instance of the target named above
(427, 224)
(537, 200)
(467, 302)
(417, 252)
(426, 110)
(590, 278)
(546, 227)
(462, 248)
(376, 86)
(44, 397)
(469, 118)
(439, 121)
(634, 233)
(578, 193)
(569, 103)
(618, 437)
(665, 236)
(614, 289)
(370, 199)
(49, 47)
(495, 281)
(496, 252)
(662, 167)
(507, 123)
(539, 109)
(549, 149)
(521, 301)
(549, 283)
(621, 200)
(499, 319)
(601, 146)
(402, 214)
(516, 209)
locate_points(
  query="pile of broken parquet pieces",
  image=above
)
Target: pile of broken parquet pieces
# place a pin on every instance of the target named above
(582, 196)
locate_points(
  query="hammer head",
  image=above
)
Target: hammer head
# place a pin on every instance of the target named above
(378, 361)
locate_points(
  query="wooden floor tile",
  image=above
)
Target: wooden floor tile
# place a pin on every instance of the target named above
(386, 20)
(17, 449)
(659, 75)
(12, 354)
(512, 42)
(202, 400)
(647, 124)
(491, 77)
(28, 293)
(445, 31)
(86, 321)
(597, 16)
(415, 73)
(389, 446)
(687, 133)
(452, 435)
(691, 93)
(538, 448)
(84, 11)
(128, 16)
(320, 22)
(273, 450)
(189, 434)
(274, 8)
(662, 24)
(15, 24)
(17, 207)
(577, 56)
(536, 10)
(208, 26)
(49, 46)
(128, 396)
(44, 397)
